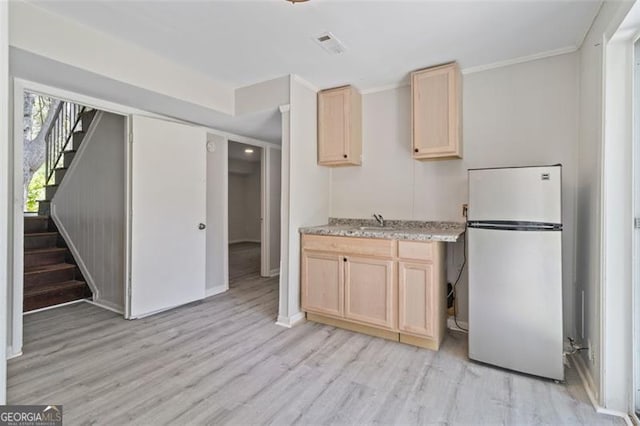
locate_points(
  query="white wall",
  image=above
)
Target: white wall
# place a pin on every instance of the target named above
(262, 96)
(309, 187)
(237, 222)
(590, 201)
(217, 264)
(5, 207)
(244, 203)
(253, 205)
(618, 225)
(106, 55)
(524, 114)
(274, 160)
(89, 209)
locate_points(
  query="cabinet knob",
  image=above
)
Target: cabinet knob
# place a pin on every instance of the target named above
(345, 156)
(344, 259)
(416, 150)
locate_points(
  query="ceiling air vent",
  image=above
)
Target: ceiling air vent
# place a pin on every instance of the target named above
(330, 43)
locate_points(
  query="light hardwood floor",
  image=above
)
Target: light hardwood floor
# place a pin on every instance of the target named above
(224, 361)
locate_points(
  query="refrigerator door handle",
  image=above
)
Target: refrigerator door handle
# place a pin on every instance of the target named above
(507, 225)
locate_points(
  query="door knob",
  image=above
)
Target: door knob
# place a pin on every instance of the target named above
(202, 226)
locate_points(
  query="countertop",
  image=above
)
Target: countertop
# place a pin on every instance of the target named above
(393, 229)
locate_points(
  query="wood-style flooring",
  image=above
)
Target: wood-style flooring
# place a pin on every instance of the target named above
(224, 361)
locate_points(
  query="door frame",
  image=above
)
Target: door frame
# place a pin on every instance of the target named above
(15, 217)
(267, 149)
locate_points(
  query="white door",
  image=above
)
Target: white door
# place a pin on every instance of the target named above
(168, 211)
(526, 194)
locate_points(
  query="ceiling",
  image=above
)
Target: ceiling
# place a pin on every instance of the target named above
(236, 152)
(242, 42)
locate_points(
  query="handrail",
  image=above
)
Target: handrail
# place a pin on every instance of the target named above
(60, 133)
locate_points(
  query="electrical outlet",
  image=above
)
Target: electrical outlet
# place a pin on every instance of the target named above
(465, 209)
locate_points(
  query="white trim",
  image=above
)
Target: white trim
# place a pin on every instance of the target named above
(283, 283)
(13, 355)
(232, 137)
(215, 290)
(17, 222)
(521, 59)
(274, 272)
(480, 68)
(54, 216)
(5, 203)
(292, 321)
(305, 83)
(384, 88)
(60, 305)
(265, 213)
(451, 325)
(105, 305)
(587, 383)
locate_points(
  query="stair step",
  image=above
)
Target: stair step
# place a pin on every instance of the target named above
(59, 174)
(54, 294)
(76, 140)
(48, 274)
(87, 118)
(44, 207)
(50, 191)
(45, 256)
(68, 157)
(37, 240)
(33, 224)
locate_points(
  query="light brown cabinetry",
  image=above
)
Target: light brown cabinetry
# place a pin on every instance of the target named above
(392, 289)
(370, 291)
(323, 283)
(436, 112)
(339, 127)
(421, 293)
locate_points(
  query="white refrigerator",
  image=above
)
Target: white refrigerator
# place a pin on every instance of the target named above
(514, 226)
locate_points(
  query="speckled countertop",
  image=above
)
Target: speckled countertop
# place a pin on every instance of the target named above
(393, 229)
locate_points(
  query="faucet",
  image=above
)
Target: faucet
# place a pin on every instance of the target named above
(378, 217)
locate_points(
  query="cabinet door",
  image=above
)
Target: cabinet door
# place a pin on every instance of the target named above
(323, 283)
(417, 298)
(435, 114)
(333, 125)
(370, 291)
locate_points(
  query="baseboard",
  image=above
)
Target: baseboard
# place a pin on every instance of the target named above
(244, 241)
(106, 305)
(291, 321)
(274, 272)
(587, 383)
(73, 302)
(11, 355)
(215, 290)
(451, 325)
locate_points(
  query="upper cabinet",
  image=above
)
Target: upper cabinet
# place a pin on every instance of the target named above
(436, 107)
(340, 127)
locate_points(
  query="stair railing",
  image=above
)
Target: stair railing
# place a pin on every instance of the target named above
(60, 133)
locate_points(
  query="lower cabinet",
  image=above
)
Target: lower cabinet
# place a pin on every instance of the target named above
(417, 297)
(391, 289)
(370, 291)
(323, 283)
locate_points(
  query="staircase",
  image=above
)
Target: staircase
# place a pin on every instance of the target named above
(51, 275)
(59, 162)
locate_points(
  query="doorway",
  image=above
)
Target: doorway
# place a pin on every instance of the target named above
(245, 211)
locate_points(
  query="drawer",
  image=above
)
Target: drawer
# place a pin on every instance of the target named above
(348, 245)
(415, 250)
